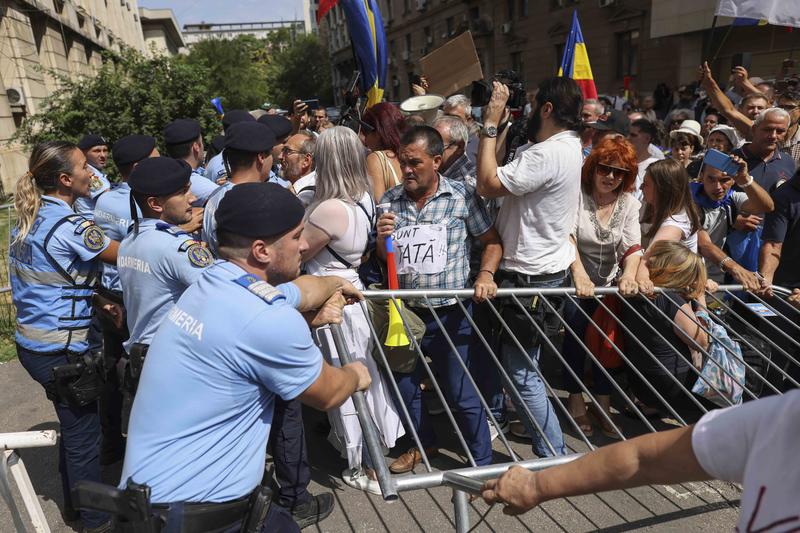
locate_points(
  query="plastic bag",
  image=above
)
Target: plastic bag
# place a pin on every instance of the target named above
(724, 353)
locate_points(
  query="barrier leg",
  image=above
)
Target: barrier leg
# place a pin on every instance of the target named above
(461, 508)
(8, 496)
(29, 497)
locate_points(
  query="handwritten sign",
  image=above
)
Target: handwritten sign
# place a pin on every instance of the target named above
(421, 249)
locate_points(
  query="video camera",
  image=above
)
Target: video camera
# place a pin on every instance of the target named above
(481, 91)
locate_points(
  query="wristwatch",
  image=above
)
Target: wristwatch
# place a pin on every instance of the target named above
(489, 131)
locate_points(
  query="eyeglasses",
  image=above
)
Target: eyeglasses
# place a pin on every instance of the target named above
(286, 151)
(618, 173)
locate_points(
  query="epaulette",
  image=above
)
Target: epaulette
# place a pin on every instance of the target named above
(260, 288)
(169, 228)
(81, 223)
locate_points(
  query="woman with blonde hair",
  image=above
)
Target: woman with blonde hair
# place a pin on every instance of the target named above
(339, 222)
(54, 264)
(671, 340)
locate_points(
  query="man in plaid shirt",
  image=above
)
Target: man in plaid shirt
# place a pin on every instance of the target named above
(432, 221)
(790, 102)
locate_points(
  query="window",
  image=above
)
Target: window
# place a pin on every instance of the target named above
(408, 42)
(627, 53)
(451, 26)
(523, 8)
(474, 13)
(510, 8)
(406, 7)
(428, 36)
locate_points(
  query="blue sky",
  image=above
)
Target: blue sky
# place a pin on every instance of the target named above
(190, 11)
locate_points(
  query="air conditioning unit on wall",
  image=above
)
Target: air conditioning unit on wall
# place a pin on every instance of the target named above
(16, 96)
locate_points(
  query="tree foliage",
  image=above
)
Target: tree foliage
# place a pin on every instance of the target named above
(130, 94)
(300, 70)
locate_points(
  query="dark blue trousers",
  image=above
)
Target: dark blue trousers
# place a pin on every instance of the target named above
(287, 444)
(79, 445)
(457, 390)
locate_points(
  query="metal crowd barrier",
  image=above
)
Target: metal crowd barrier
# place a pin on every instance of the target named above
(11, 462)
(771, 366)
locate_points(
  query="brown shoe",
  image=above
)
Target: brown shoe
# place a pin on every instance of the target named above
(410, 459)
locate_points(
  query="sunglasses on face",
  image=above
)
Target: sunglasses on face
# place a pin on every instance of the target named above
(605, 170)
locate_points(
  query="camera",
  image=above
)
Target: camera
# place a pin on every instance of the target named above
(481, 91)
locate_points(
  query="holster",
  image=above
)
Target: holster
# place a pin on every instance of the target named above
(136, 357)
(260, 502)
(77, 383)
(130, 508)
(133, 369)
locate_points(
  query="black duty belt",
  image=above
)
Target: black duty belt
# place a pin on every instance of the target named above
(202, 517)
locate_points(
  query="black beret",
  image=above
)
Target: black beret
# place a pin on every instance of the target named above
(259, 210)
(91, 140)
(236, 115)
(181, 131)
(250, 137)
(132, 148)
(218, 143)
(280, 126)
(159, 176)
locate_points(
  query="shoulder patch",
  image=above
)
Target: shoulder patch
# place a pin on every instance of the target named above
(94, 238)
(199, 255)
(260, 288)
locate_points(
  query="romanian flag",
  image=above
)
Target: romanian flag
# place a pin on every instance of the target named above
(575, 63)
(749, 22)
(365, 24)
(760, 12)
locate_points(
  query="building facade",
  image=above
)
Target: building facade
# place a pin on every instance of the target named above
(162, 35)
(66, 36)
(193, 33)
(646, 41)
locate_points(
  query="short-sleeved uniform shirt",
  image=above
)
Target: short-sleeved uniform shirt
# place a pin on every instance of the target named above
(455, 205)
(536, 219)
(203, 410)
(201, 187)
(113, 213)
(97, 186)
(755, 444)
(215, 168)
(783, 225)
(209, 232)
(156, 265)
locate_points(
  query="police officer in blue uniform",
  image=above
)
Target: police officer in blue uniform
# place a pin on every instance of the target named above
(204, 408)
(54, 262)
(215, 169)
(157, 260)
(95, 148)
(113, 214)
(248, 156)
(184, 141)
(282, 128)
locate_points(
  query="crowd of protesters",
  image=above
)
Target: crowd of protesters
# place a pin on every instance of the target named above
(590, 193)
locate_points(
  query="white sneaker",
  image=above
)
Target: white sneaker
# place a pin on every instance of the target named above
(356, 478)
(504, 427)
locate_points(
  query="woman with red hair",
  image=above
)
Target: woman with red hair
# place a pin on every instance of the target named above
(607, 238)
(381, 128)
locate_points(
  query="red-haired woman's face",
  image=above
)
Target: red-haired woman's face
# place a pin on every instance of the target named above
(608, 177)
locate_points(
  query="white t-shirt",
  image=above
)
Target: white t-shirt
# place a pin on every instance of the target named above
(680, 221)
(305, 188)
(536, 219)
(756, 444)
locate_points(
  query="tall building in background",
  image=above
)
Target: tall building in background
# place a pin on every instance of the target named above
(646, 41)
(66, 36)
(162, 34)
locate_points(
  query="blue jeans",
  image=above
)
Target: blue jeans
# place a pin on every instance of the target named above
(523, 369)
(457, 390)
(575, 354)
(79, 445)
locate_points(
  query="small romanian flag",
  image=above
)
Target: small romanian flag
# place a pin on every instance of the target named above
(575, 62)
(739, 21)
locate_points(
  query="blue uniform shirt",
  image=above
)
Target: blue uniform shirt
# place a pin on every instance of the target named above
(113, 213)
(97, 186)
(201, 187)
(274, 178)
(209, 232)
(215, 168)
(203, 411)
(53, 273)
(155, 266)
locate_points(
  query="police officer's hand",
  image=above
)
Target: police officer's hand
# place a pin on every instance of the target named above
(195, 223)
(362, 374)
(330, 312)
(386, 225)
(116, 313)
